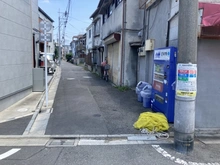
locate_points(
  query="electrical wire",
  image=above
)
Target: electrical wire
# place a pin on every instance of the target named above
(80, 20)
(65, 18)
(74, 27)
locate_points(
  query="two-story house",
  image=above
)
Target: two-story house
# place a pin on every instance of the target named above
(89, 45)
(97, 42)
(121, 22)
(78, 46)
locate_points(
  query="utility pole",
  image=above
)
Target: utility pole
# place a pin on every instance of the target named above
(59, 39)
(184, 121)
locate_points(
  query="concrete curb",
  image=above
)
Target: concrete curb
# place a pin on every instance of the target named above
(38, 108)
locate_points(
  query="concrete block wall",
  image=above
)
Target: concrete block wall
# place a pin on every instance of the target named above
(16, 53)
(208, 89)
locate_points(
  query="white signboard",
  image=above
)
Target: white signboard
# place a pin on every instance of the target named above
(48, 26)
(47, 37)
(162, 54)
(186, 83)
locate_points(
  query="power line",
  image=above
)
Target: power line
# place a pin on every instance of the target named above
(65, 18)
(74, 27)
(80, 20)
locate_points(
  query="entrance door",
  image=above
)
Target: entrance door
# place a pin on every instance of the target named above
(114, 62)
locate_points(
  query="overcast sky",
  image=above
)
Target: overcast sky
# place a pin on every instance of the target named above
(80, 11)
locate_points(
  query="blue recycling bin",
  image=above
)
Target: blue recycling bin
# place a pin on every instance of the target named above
(139, 88)
(146, 95)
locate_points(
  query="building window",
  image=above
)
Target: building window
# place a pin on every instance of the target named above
(117, 2)
(97, 28)
(90, 33)
(109, 10)
(104, 17)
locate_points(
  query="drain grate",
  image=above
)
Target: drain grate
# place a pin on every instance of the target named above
(61, 143)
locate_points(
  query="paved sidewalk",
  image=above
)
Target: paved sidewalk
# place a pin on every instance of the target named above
(14, 119)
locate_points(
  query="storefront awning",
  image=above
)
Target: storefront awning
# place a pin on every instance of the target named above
(135, 44)
(210, 25)
(114, 37)
(211, 14)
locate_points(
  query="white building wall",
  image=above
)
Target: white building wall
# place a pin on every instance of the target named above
(35, 25)
(16, 56)
(35, 17)
(98, 31)
(89, 39)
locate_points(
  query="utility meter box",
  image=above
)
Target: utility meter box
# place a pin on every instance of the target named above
(38, 80)
(141, 51)
(149, 45)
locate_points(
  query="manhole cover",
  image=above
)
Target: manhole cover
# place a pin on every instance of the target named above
(22, 110)
(97, 115)
(70, 78)
(87, 77)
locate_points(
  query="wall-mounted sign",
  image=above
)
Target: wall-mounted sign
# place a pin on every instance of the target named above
(186, 83)
(162, 54)
(47, 37)
(45, 25)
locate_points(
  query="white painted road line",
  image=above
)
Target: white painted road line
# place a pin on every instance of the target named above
(14, 118)
(178, 160)
(9, 153)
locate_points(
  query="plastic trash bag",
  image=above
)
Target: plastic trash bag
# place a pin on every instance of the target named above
(152, 121)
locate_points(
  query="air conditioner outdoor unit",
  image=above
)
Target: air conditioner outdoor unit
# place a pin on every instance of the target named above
(141, 51)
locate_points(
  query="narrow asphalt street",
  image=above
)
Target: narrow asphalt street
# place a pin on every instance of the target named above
(89, 125)
(86, 104)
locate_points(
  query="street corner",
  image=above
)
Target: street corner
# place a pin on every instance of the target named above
(21, 109)
(202, 154)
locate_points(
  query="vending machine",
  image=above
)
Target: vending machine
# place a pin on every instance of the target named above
(164, 76)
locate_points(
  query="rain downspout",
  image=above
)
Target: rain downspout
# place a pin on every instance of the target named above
(123, 43)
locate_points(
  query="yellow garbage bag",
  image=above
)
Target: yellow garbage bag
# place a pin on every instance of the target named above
(152, 121)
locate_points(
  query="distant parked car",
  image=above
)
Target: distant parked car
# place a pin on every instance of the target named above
(51, 65)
